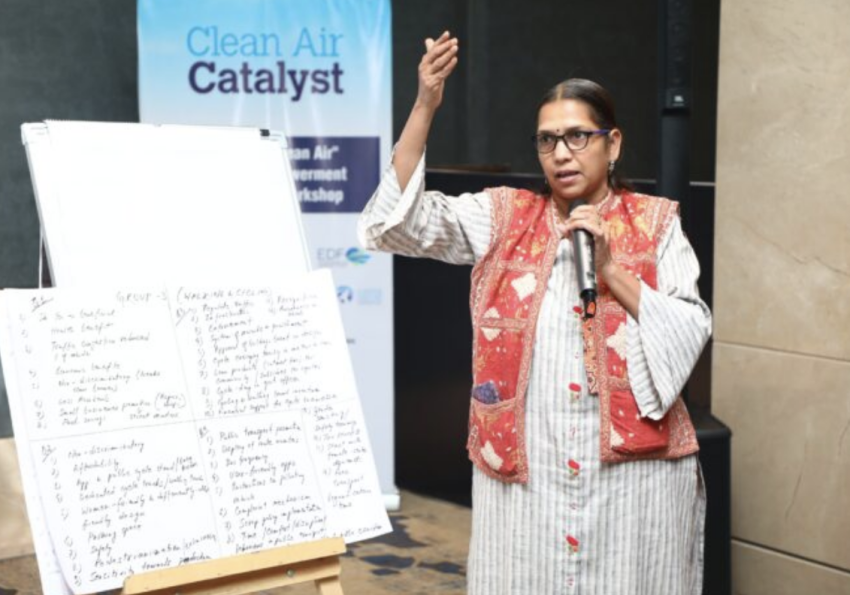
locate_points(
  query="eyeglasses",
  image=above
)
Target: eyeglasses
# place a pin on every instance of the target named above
(576, 140)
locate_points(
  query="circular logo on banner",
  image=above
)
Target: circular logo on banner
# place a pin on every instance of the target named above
(357, 256)
(345, 294)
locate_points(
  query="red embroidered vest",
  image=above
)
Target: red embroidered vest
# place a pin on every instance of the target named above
(508, 285)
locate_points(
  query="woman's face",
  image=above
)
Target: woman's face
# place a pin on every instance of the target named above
(576, 174)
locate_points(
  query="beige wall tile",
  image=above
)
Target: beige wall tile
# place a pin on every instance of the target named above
(781, 360)
(756, 571)
(767, 296)
(15, 537)
(790, 421)
(782, 246)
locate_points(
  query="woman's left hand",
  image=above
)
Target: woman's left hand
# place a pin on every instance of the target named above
(586, 217)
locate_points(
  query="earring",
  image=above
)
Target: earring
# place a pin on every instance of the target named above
(611, 165)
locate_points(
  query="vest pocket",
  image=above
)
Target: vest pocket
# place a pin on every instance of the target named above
(493, 435)
(496, 363)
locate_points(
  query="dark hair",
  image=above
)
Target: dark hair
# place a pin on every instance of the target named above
(601, 106)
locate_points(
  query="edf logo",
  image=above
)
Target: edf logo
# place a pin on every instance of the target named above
(357, 256)
(341, 257)
(329, 255)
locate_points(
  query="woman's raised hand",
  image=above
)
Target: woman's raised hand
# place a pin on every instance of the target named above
(435, 67)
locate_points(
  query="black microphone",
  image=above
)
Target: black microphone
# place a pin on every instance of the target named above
(583, 247)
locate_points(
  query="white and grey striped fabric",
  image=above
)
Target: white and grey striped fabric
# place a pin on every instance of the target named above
(578, 526)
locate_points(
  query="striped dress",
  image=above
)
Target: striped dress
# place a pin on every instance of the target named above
(579, 526)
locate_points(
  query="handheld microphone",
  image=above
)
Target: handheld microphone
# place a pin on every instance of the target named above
(583, 247)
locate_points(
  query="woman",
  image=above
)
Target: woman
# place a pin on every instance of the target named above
(585, 478)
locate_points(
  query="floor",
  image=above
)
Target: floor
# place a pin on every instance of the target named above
(425, 554)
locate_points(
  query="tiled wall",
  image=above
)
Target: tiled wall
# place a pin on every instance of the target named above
(781, 375)
(15, 537)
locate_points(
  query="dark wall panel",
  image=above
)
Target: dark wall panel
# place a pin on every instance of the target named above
(512, 52)
(412, 23)
(553, 41)
(63, 61)
(60, 60)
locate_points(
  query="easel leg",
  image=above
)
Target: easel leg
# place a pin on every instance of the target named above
(329, 586)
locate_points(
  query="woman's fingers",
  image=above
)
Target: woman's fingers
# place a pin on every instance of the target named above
(429, 42)
(436, 65)
(445, 57)
(447, 70)
(436, 51)
(585, 217)
(586, 213)
(439, 62)
(583, 212)
(594, 229)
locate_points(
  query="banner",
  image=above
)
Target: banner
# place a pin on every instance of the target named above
(320, 72)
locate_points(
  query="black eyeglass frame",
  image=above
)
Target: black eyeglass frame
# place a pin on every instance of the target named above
(563, 137)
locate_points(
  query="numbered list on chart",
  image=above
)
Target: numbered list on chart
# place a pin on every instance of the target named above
(166, 427)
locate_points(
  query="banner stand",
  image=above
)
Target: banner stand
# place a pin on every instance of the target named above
(320, 72)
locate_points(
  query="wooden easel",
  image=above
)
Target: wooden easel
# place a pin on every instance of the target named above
(316, 561)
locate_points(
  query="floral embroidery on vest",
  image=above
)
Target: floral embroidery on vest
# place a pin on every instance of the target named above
(636, 223)
(507, 290)
(508, 285)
